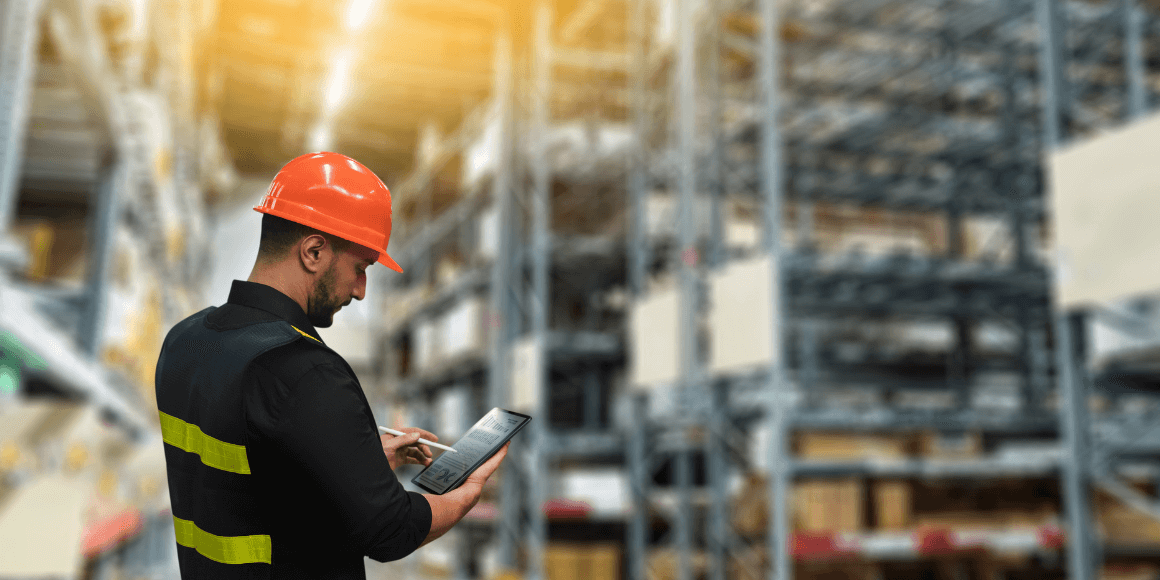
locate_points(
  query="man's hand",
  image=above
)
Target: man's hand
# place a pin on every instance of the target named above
(449, 508)
(479, 477)
(405, 449)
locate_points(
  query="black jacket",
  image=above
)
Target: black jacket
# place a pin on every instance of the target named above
(274, 460)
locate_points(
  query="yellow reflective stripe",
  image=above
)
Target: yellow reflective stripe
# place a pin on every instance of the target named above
(304, 333)
(224, 549)
(213, 452)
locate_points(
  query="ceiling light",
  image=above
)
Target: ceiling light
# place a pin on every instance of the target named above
(321, 137)
(337, 84)
(357, 13)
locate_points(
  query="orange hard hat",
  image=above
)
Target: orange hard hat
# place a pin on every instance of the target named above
(333, 193)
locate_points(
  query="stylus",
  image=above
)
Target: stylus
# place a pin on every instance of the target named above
(422, 441)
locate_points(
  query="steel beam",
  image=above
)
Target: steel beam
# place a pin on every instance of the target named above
(103, 226)
(772, 188)
(638, 461)
(542, 56)
(501, 313)
(637, 275)
(1052, 71)
(1134, 60)
(684, 259)
(19, 39)
(1076, 427)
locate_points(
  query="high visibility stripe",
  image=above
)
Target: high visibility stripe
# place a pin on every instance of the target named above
(304, 333)
(213, 452)
(224, 549)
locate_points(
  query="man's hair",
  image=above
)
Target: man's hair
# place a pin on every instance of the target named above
(279, 235)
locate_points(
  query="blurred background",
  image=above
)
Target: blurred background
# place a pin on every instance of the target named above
(813, 289)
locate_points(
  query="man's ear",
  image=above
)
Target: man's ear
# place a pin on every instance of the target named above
(312, 252)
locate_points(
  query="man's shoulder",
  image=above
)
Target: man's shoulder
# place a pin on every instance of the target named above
(292, 361)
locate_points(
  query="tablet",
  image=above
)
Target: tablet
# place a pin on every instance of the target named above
(482, 441)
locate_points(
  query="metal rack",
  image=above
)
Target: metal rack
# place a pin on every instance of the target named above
(936, 111)
(74, 130)
(822, 105)
(1095, 77)
(528, 259)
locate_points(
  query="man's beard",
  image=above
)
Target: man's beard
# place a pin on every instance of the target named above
(323, 303)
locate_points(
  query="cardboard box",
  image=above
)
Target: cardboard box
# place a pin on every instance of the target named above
(835, 505)
(1134, 571)
(845, 570)
(950, 445)
(749, 563)
(448, 270)
(427, 351)
(751, 507)
(843, 228)
(663, 564)
(582, 561)
(604, 562)
(984, 520)
(1122, 524)
(562, 562)
(57, 248)
(852, 446)
(892, 504)
(462, 329)
(740, 317)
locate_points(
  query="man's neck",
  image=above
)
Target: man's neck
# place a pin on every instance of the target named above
(278, 280)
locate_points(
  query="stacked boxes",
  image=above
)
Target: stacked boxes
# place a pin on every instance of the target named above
(829, 505)
(582, 561)
(857, 504)
(1121, 524)
(847, 447)
(663, 564)
(452, 336)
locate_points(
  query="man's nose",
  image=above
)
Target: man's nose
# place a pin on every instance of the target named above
(360, 290)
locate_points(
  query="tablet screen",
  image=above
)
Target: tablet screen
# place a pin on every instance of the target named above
(473, 449)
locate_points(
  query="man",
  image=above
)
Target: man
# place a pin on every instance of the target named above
(275, 465)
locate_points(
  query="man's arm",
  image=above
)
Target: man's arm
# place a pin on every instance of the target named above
(324, 430)
(448, 509)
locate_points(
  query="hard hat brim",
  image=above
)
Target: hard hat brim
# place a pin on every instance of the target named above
(386, 260)
(293, 212)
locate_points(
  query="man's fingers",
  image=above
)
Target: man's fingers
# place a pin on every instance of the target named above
(422, 433)
(420, 457)
(491, 465)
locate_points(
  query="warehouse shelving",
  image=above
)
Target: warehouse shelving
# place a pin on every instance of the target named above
(914, 108)
(1098, 75)
(520, 177)
(821, 123)
(103, 172)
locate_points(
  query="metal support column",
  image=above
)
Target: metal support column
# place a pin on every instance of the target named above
(1134, 60)
(19, 39)
(638, 251)
(593, 400)
(537, 533)
(638, 266)
(717, 470)
(501, 314)
(639, 474)
(685, 257)
(716, 171)
(1073, 409)
(683, 522)
(104, 226)
(772, 189)
(1070, 362)
(1052, 79)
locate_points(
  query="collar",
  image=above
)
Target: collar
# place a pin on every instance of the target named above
(268, 299)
